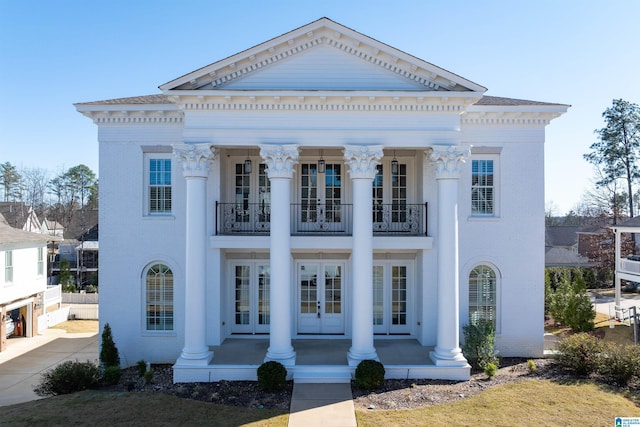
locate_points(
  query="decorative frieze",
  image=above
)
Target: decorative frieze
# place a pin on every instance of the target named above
(134, 117)
(194, 158)
(448, 160)
(362, 160)
(280, 160)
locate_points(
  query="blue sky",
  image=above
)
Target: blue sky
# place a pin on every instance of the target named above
(54, 53)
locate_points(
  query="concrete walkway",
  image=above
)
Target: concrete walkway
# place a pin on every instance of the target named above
(25, 359)
(322, 405)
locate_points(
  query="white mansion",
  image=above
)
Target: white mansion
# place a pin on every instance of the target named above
(320, 199)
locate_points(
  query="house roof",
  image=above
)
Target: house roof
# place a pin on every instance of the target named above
(630, 223)
(81, 223)
(563, 257)
(15, 213)
(9, 234)
(561, 235)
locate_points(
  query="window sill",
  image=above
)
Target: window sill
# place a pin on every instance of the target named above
(159, 217)
(159, 334)
(483, 218)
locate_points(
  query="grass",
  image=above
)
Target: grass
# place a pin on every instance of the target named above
(78, 326)
(531, 402)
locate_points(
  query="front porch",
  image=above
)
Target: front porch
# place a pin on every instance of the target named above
(317, 360)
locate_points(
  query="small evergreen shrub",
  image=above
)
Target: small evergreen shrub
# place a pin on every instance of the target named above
(142, 367)
(531, 366)
(491, 369)
(272, 376)
(369, 374)
(579, 312)
(620, 364)
(108, 352)
(148, 376)
(111, 375)
(580, 353)
(479, 344)
(68, 377)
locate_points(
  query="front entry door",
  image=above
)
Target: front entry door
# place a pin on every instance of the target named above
(320, 298)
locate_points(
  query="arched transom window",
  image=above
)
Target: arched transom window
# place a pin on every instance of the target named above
(159, 292)
(482, 294)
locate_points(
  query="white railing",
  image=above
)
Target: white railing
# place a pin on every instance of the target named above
(53, 295)
(629, 266)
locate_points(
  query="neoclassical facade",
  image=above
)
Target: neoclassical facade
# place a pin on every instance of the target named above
(320, 199)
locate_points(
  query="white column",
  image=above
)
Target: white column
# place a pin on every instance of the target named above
(616, 270)
(280, 160)
(448, 161)
(362, 162)
(195, 160)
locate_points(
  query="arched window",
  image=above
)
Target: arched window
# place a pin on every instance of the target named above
(482, 294)
(159, 292)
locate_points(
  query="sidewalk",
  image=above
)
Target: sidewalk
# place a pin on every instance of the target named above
(322, 405)
(27, 358)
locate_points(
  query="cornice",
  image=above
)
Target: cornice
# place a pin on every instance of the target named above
(325, 101)
(508, 118)
(134, 117)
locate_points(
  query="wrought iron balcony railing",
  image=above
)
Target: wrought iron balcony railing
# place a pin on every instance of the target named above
(313, 218)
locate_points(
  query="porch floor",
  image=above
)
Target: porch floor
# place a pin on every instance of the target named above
(239, 351)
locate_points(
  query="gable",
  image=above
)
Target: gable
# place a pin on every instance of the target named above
(322, 55)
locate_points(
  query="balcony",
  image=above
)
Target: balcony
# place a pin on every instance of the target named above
(321, 219)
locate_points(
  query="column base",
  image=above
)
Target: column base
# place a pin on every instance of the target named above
(452, 358)
(287, 357)
(195, 359)
(354, 357)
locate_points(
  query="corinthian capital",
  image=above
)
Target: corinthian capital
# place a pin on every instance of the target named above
(448, 160)
(194, 158)
(362, 160)
(280, 159)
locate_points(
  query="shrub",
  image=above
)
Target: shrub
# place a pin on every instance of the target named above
(560, 300)
(369, 374)
(620, 363)
(108, 352)
(68, 377)
(148, 376)
(272, 376)
(580, 353)
(91, 289)
(479, 344)
(142, 367)
(579, 313)
(491, 369)
(531, 366)
(111, 375)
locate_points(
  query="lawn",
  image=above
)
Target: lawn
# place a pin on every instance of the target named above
(78, 326)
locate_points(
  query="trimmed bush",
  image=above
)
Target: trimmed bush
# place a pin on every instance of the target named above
(579, 312)
(142, 367)
(68, 377)
(491, 369)
(369, 374)
(111, 375)
(531, 366)
(620, 363)
(479, 344)
(272, 376)
(108, 351)
(580, 353)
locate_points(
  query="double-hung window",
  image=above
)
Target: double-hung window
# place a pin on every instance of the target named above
(8, 267)
(40, 261)
(483, 190)
(159, 185)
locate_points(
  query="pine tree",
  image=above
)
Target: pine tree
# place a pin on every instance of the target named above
(108, 352)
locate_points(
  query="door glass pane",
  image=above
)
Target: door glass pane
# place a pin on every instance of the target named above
(332, 289)
(399, 295)
(242, 294)
(378, 195)
(309, 193)
(264, 195)
(333, 192)
(263, 295)
(243, 186)
(309, 289)
(378, 296)
(399, 195)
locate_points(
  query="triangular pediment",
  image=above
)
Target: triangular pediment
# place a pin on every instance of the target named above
(322, 55)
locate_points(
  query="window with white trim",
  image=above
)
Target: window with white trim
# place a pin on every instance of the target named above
(482, 294)
(159, 185)
(159, 298)
(483, 196)
(40, 261)
(8, 266)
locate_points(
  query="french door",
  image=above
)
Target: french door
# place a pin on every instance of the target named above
(320, 298)
(251, 311)
(391, 296)
(321, 198)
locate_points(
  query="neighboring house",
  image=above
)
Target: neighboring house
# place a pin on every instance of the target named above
(627, 259)
(21, 216)
(79, 247)
(23, 281)
(53, 228)
(320, 186)
(562, 247)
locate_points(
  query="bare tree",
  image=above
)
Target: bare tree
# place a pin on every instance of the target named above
(34, 188)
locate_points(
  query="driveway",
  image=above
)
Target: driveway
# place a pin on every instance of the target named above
(25, 359)
(605, 304)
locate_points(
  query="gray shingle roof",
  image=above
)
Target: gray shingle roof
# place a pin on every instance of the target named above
(9, 234)
(496, 100)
